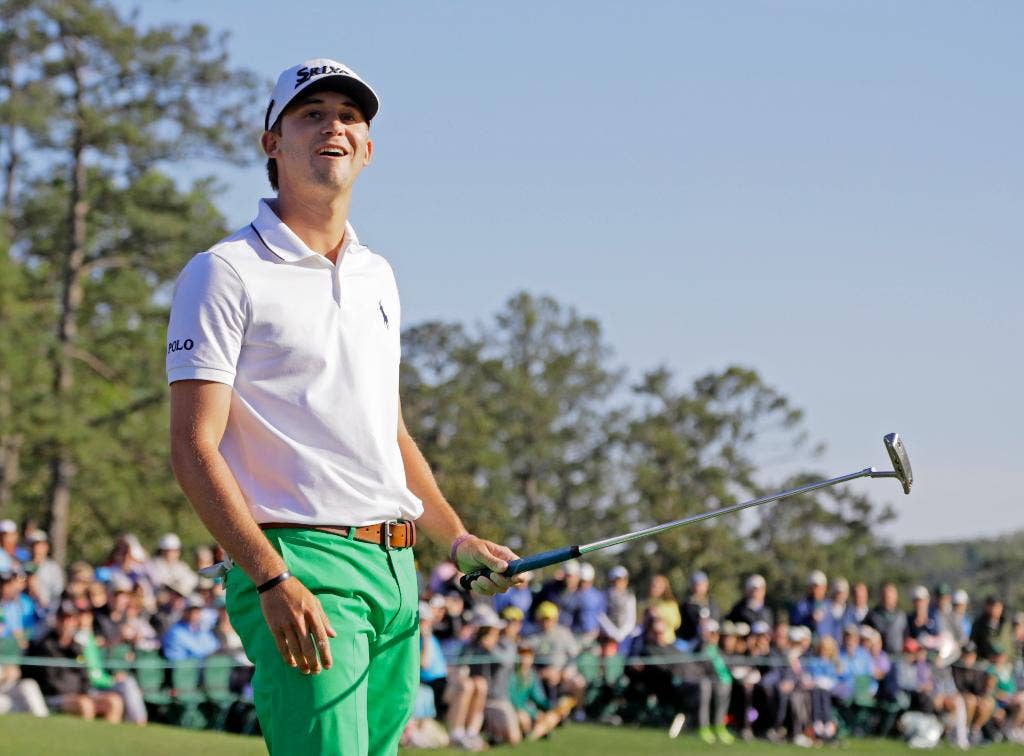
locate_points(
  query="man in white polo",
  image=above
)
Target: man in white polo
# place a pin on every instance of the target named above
(287, 436)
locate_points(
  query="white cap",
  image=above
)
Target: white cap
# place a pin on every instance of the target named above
(817, 578)
(960, 597)
(170, 542)
(485, 616)
(294, 80)
(840, 584)
(8, 526)
(920, 593)
(572, 568)
(618, 571)
(755, 581)
(586, 572)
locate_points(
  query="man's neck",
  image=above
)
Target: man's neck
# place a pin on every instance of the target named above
(320, 223)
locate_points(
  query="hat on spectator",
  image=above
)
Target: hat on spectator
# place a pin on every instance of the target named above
(618, 572)
(8, 526)
(969, 648)
(742, 629)
(911, 646)
(851, 628)
(943, 589)
(1018, 618)
(180, 584)
(710, 626)
(37, 536)
(485, 616)
(866, 631)
(997, 649)
(698, 577)
(512, 614)
(121, 584)
(817, 578)
(920, 593)
(760, 627)
(840, 585)
(586, 572)
(572, 568)
(195, 601)
(960, 598)
(547, 610)
(436, 601)
(7, 575)
(798, 633)
(729, 628)
(426, 612)
(754, 581)
(170, 542)
(67, 609)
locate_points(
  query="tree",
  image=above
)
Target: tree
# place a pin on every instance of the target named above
(513, 418)
(98, 226)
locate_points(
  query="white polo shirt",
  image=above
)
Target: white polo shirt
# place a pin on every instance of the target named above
(312, 351)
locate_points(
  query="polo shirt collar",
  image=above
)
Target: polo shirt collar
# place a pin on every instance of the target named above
(283, 242)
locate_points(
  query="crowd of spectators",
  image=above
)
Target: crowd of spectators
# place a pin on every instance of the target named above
(72, 623)
(835, 661)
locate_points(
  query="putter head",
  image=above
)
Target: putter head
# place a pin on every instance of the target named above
(900, 460)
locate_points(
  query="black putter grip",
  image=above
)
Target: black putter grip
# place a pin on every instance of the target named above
(532, 562)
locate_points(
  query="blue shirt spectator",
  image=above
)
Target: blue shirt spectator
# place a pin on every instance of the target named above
(187, 639)
(810, 609)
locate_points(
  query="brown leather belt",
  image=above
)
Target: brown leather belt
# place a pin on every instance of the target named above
(394, 534)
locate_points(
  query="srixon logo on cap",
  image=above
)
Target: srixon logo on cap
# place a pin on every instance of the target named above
(304, 74)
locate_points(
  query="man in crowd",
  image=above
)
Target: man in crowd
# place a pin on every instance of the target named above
(8, 546)
(67, 688)
(960, 616)
(888, 620)
(47, 574)
(189, 638)
(556, 650)
(167, 567)
(751, 608)
(989, 628)
(810, 610)
(837, 612)
(587, 605)
(619, 617)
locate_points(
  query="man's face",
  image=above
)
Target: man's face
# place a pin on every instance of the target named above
(890, 596)
(818, 591)
(860, 594)
(324, 142)
(172, 555)
(40, 550)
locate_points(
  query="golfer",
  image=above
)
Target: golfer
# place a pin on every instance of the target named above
(287, 437)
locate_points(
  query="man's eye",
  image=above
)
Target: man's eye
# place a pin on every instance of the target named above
(313, 114)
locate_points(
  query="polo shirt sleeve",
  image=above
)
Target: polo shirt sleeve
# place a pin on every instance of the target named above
(209, 315)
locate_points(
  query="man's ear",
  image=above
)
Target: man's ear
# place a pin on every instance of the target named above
(269, 142)
(369, 152)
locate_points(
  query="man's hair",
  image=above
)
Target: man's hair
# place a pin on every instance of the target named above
(271, 163)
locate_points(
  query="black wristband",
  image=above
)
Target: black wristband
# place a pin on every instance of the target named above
(264, 587)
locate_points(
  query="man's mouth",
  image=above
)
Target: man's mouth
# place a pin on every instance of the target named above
(332, 151)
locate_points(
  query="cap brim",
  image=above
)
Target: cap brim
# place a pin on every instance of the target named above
(364, 97)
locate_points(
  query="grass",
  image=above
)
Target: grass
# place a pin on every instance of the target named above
(22, 734)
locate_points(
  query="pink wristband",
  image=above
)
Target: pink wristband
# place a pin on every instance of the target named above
(455, 546)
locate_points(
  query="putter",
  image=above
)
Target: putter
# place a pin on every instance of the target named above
(900, 470)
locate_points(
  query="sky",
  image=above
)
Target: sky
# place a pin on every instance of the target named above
(828, 192)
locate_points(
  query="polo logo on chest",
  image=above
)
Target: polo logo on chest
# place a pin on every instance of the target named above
(383, 314)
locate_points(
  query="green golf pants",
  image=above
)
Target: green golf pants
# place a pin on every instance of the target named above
(359, 706)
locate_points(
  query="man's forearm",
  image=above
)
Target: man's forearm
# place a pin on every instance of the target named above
(211, 487)
(439, 521)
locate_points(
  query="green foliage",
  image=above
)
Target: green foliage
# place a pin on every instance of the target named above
(92, 108)
(981, 566)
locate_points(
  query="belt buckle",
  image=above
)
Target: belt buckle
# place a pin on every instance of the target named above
(385, 535)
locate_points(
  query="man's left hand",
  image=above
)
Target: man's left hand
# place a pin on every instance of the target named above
(476, 553)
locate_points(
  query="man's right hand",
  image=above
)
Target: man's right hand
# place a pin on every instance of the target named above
(299, 625)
